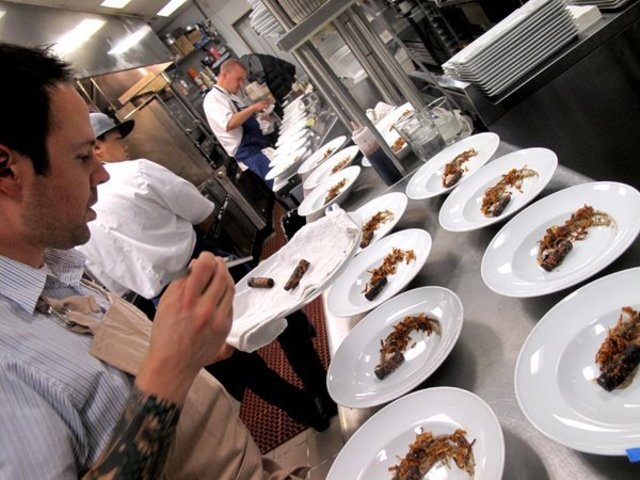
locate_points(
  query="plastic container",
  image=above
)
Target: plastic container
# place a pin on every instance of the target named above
(370, 148)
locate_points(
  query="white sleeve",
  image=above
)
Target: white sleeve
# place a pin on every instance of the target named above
(218, 109)
(175, 193)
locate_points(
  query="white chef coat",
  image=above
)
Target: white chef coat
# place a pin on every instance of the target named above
(219, 106)
(144, 230)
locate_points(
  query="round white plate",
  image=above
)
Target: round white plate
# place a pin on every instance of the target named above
(287, 164)
(427, 181)
(509, 264)
(558, 359)
(346, 298)
(461, 212)
(323, 171)
(318, 156)
(351, 381)
(396, 202)
(283, 152)
(390, 134)
(383, 438)
(315, 200)
(291, 137)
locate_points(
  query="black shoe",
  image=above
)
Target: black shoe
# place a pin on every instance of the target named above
(309, 413)
(326, 407)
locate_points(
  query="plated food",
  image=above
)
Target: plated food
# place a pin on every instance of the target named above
(498, 189)
(398, 144)
(396, 343)
(389, 267)
(559, 359)
(454, 170)
(341, 164)
(297, 274)
(373, 224)
(510, 263)
(337, 162)
(329, 191)
(321, 155)
(497, 198)
(619, 355)
(435, 177)
(346, 297)
(445, 412)
(428, 449)
(558, 240)
(260, 282)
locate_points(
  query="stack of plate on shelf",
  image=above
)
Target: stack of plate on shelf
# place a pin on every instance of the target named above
(298, 10)
(514, 46)
(262, 21)
(602, 4)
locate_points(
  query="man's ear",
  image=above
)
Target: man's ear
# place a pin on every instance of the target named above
(98, 150)
(10, 171)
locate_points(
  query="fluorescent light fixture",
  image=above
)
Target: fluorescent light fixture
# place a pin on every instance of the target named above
(115, 3)
(75, 38)
(2, 12)
(130, 40)
(170, 7)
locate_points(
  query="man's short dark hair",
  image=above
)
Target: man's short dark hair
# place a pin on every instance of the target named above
(27, 76)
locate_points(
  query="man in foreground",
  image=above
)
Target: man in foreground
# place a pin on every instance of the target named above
(87, 387)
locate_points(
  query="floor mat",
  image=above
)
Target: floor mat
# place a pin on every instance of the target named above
(269, 425)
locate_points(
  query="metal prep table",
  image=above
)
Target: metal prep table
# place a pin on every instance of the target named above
(495, 328)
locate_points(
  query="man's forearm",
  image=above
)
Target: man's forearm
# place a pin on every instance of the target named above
(140, 442)
(238, 118)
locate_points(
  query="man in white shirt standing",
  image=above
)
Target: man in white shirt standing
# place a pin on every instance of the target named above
(234, 123)
(164, 213)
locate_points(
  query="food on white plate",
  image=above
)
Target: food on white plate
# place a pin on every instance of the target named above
(497, 198)
(398, 145)
(393, 347)
(335, 190)
(297, 274)
(373, 224)
(389, 266)
(340, 165)
(454, 170)
(619, 355)
(260, 282)
(428, 449)
(327, 154)
(557, 241)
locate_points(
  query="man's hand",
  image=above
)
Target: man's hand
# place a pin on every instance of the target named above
(190, 327)
(260, 106)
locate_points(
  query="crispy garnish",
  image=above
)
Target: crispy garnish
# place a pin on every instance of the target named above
(389, 266)
(496, 198)
(335, 190)
(453, 170)
(393, 347)
(557, 240)
(373, 224)
(428, 449)
(327, 154)
(619, 355)
(340, 165)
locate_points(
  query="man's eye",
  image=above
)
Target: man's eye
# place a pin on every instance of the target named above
(84, 158)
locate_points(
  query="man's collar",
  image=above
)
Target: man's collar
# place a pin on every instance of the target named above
(24, 284)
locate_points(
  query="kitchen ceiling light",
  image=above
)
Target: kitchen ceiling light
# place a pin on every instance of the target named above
(130, 40)
(75, 38)
(2, 12)
(115, 3)
(170, 7)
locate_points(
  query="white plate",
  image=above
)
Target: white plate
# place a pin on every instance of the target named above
(351, 381)
(558, 359)
(383, 438)
(346, 298)
(323, 171)
(509, 264)
(461, 212)
(315, 200)
(318, 156)
(427, 181)
(287, 163)
(396, 202)
(390, 134)
(282, 153)
(291, 137)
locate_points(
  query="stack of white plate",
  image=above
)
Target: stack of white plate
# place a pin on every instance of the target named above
(298, 10)
(262, 21)
(602, 4)
(514, 46)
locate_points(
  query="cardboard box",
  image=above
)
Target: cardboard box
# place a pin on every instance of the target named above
(195, 36)
(184, 44)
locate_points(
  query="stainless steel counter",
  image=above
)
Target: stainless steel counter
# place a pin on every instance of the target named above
(494, 330)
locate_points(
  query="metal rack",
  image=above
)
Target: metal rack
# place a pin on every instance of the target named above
(351, 23)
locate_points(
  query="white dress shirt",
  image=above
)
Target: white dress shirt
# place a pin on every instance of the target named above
(144, 230)
(219, 107)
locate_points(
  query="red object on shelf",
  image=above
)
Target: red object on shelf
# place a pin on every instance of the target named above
(214, 51)
(193, 73)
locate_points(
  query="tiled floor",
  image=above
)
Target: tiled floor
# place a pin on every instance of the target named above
(316, 449)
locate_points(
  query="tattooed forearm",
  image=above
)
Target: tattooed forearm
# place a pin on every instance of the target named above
(141, 439)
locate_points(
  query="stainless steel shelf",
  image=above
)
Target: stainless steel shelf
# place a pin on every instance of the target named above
(314, 22)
